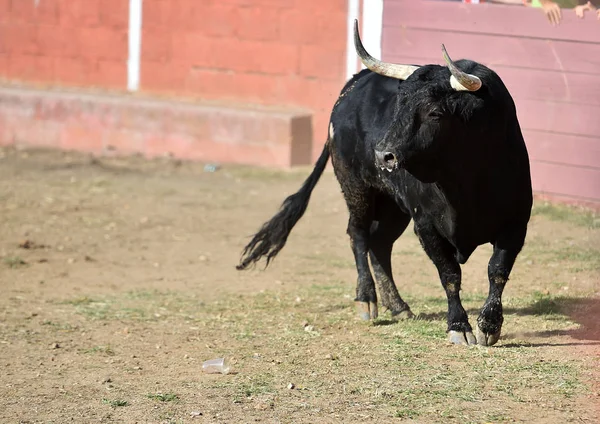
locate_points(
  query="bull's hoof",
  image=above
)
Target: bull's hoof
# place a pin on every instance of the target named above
(403, 315)
(487, 339)
(367, 310)
(461, 338)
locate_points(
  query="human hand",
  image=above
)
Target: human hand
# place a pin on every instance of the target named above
(580, 10)
(552, 11)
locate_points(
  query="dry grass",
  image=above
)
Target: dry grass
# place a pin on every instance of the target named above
(136, 286)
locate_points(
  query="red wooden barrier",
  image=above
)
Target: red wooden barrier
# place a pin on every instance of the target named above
(553, 74)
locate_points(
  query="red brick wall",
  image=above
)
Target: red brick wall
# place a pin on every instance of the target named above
(272, 52)
(64, 42)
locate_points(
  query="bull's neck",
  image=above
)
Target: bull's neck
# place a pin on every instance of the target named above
(459, 185)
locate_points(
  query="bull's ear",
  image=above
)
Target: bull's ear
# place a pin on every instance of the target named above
(459, 80)
(391, 70)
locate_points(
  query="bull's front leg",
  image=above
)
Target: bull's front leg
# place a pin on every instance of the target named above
(441, 252)
(489, 322)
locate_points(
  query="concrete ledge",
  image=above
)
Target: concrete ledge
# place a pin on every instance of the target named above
(123, 125)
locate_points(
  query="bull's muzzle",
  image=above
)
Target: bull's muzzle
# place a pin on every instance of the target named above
(386, 160)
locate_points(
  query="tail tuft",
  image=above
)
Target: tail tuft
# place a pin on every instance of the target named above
(272, 236)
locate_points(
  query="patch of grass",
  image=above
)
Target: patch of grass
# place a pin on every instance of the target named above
(326, 288)
(544, 304)
(59, 326)
(105, 350)
(136, 314)
(407, 413)
(248, 387)
(571, 214)
(589, 259)
(115, 403)
(84, 300)
(244, 335)
(420, 328)
(558, 376)
(148, 294)
(331, 260)
(434, 376)
(256, 386)
(163, 397)
(496, 417)
(568, 256)
(95, 310)
(476, 299)
(14, 262)
(139, 305)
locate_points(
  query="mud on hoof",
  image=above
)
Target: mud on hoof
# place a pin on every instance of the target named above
(367, 310)
(402, 315)
(461, 337)
(487, 339)
(488, 330)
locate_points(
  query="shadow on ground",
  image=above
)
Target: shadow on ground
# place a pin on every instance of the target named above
(584, 311)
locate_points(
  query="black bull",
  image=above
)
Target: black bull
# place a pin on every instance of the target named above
(437, 144)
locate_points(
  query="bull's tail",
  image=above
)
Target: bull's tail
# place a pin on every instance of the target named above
(272, 236)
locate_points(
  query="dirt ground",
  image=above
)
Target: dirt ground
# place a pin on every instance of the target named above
(118, 280)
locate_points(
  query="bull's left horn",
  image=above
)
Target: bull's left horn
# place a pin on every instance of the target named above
(391, 70)
(460, 81)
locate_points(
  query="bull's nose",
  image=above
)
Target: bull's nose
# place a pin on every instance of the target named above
(386, 160)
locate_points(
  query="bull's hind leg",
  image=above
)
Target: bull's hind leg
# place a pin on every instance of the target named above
(360, 204)
(366, 296)
(506, 249)
(390, 224)
(441, 252)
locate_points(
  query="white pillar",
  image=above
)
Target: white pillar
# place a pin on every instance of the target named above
(372, 26)
(135, 45)
(351, 64)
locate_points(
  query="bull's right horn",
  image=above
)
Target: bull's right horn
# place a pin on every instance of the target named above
(460, 81)
(391, 70)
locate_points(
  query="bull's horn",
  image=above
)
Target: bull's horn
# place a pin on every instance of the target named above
(391, 70)
(460, 81)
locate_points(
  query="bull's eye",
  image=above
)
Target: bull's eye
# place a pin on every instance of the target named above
(435, 114)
